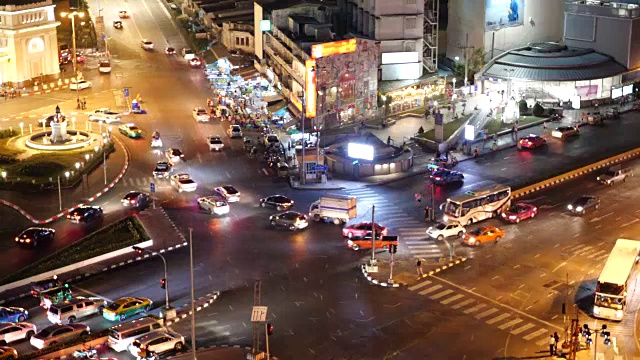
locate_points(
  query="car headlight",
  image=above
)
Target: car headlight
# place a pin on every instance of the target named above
(504, 215)
(619, 314)
(570, 207)
(350, 242)
(596, 310)
(579, 208)
(472, 240)
(445, 218)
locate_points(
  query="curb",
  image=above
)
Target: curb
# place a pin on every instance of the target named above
(210, 299)
(376, 282)
(44, 91)
(443, 267)
(35, 116)
(91, 199)
(106, 268)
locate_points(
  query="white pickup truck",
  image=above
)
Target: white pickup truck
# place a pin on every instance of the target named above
(338, 208)
(614, 175)
(183, 182)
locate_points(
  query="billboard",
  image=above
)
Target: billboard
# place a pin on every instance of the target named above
(310, 91)
(333, 48)
(499, 14)
(360, 151)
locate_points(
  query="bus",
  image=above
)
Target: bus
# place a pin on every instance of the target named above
(613, 283)
(477, 205)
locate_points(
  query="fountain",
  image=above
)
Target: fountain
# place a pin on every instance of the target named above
(59, 138)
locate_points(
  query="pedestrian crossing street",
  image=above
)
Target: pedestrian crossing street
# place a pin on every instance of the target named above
(490, 313)
(141, 183)
(411, 232)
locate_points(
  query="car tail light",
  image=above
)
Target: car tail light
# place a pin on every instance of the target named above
(512, 217)
(437, 178)
(133, 201)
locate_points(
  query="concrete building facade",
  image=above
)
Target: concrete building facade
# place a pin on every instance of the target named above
(28, 43)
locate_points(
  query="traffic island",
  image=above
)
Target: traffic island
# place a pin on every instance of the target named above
(405, 271)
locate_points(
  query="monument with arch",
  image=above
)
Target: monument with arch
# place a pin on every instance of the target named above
(28, 42)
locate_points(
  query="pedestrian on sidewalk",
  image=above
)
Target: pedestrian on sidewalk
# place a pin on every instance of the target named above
(544, 127)
(556, 338)
(389, 140)
(552, 345)
(84, 103)
(419, 268)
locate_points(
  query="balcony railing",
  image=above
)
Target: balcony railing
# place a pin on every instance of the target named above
(284, 64)
(297, 52)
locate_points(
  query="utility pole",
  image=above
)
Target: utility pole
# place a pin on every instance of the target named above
(465, 49)
(373, 236)
(257, 288)
(193, 300)
(303, 180)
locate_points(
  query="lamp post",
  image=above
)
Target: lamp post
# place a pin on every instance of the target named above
(72, 16)
(59, 193)
(104, 159)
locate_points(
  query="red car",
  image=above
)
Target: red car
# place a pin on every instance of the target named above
(363, 230)
(531, 141)
(520, 211)
(195, 62)
(80, 58)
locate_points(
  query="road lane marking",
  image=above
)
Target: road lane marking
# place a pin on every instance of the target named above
(431, 289)
(497, 303)
(451, 299)
(535, 334)
(440, 294)
(498, 318)
(486, 313)
(630, 222)
(475, 308)
(425, 283)
(92, 293)
(509, 324)
(601, 217)
(522, 328)
(459, 305)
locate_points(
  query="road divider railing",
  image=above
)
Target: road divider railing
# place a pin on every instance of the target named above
(556, 180)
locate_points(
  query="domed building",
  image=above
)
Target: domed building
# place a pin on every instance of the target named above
(28, 43)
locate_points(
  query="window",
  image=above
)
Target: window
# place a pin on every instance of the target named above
(35, 45)
(410, 23)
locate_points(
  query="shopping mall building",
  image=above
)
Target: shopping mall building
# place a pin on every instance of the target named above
(551, 50)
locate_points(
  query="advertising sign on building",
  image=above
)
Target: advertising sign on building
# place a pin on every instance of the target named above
(499, 14)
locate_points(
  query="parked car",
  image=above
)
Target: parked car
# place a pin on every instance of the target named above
(363, 230)
(215, 143)
(280, 202)
(291, 220)
(74, 309)
(158, 342)
(11, 332)
(85, 213)
(441, 230)
(55, 334)
(34, 235)
(483, 235)
(584, 203)
(520, 211)
(136, 199)
(564, 132)
(531, 142)
(615, 174)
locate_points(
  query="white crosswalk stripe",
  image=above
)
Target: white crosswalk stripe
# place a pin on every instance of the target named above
(494, 316)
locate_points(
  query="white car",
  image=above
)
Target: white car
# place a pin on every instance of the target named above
(228, 192)
(200, 114)
(156, 141)
(215, 143)
(56, 334)
(146, 44)
(188, 54)
(123, 14)
(183, 182)
(157, 342)
(10, 332)
(174, 155)
(234, 131)
(106, 115)
(80, 85)
(443, 230)
(271, 140)
(162, 170)
(214, 205)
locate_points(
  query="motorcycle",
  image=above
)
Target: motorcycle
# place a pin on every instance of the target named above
(85, 354)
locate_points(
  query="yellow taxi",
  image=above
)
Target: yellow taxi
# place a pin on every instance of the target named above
(8, 353)
(126, 307)
(482, 235)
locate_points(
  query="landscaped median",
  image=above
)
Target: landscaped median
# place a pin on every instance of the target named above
(108, 242)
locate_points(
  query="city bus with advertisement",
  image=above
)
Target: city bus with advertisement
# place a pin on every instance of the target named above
(477, 205)
(64, 54)
(614, 281)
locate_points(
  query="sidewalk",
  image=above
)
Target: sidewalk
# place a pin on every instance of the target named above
(46, 204)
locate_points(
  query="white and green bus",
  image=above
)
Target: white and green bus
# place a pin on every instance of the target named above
(477, 205)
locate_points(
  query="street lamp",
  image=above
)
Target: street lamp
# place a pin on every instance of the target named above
(21, 129)
(4, 175)
(77, 166)
(72, 16)
(104, 159)
(87, 157)
(140, 251)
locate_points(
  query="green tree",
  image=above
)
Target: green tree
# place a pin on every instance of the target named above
(475, 63)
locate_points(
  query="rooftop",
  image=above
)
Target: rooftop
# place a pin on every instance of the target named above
(552, 62)
(23, 2)
(301, 19)
(270, 5)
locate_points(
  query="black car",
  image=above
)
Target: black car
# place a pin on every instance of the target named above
(33, 235)
(280, 202)
(444, 177)
(169, 50)
(136, 199)
(584, 203)
(117, 24)
(85, 214)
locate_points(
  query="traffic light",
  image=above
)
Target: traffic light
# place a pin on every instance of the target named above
(163, 283)
(393, 248)
(269, 329)
(138, 250)
(607, 337)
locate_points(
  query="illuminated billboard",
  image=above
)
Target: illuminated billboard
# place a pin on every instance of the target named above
(310, 88)
(499, 14)
(333, 48)
(627, 89)
(360, 151)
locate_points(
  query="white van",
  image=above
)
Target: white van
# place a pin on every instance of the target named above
(105, 66)
(121, 336)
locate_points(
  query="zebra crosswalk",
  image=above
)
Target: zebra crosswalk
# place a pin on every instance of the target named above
(586, 251)
(412, 232)
(517, 324)
(143, 182)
